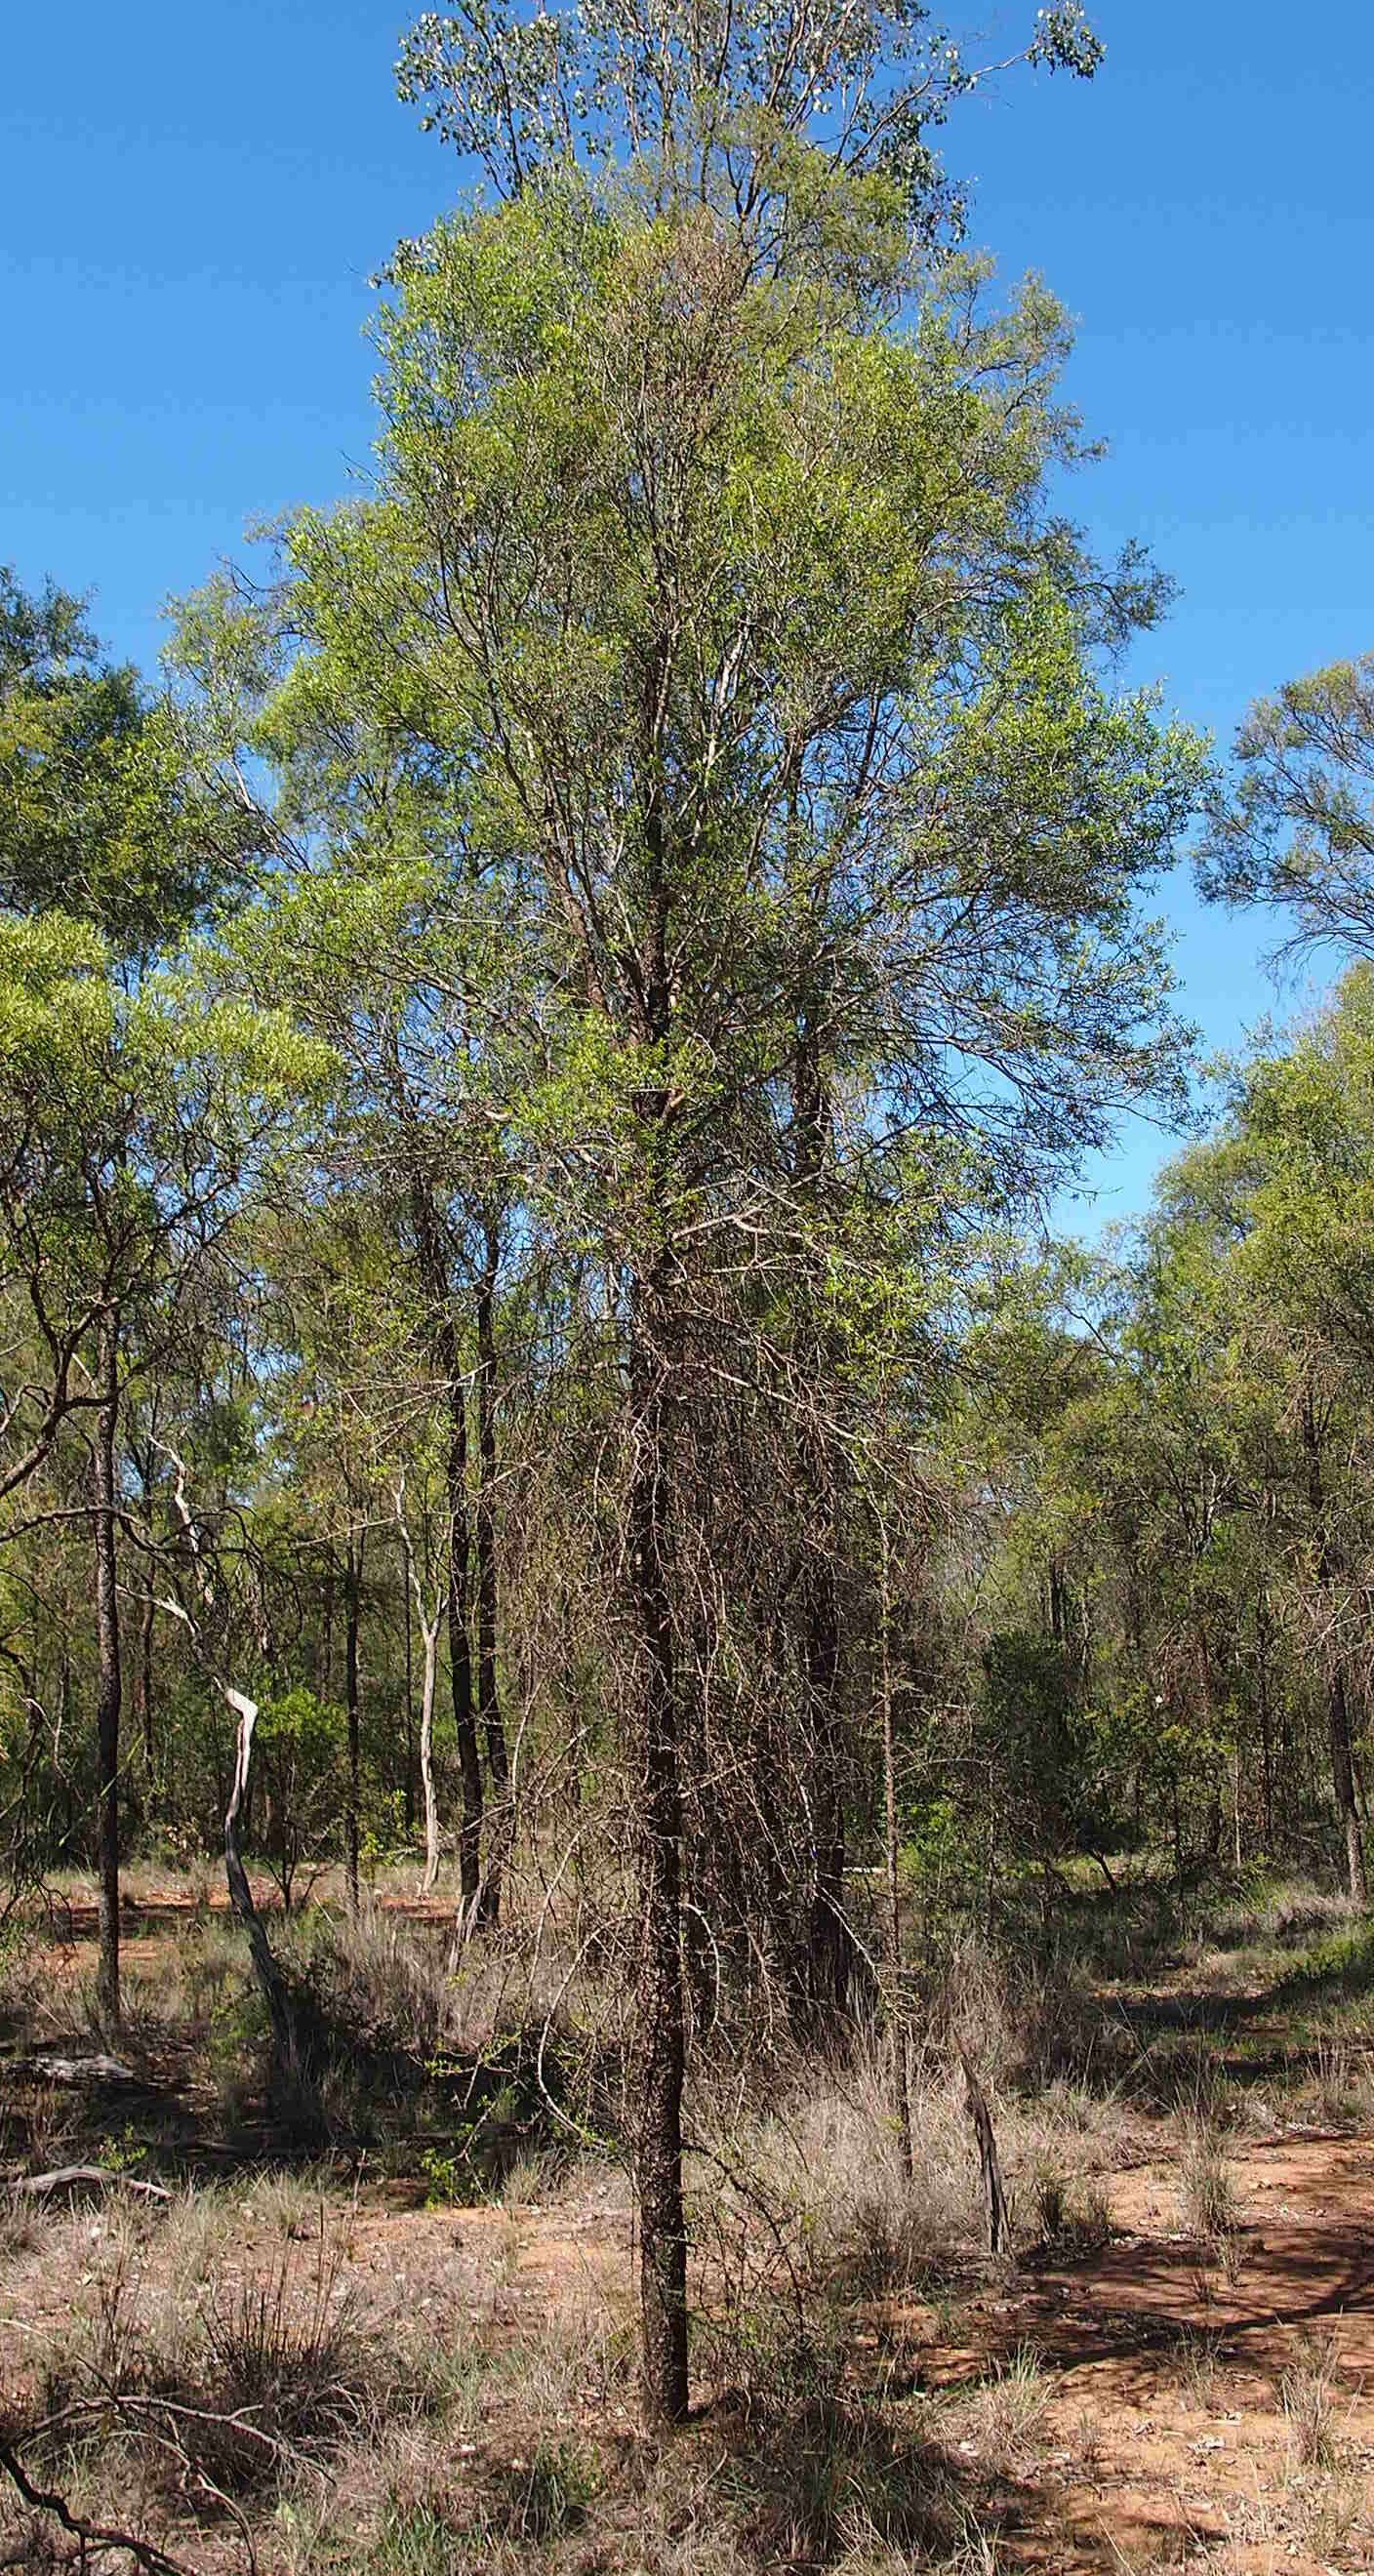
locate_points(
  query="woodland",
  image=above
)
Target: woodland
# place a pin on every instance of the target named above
(597, 1615)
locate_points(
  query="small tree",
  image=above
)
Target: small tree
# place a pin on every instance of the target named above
(301, 1788)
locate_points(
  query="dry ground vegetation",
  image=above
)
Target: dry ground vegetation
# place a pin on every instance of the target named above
(383, 2320)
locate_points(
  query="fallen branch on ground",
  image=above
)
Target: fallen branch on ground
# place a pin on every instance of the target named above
(71, 2070)
(89, 2536)
(79, 2178)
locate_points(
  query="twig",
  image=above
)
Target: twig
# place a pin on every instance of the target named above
(87, 2535)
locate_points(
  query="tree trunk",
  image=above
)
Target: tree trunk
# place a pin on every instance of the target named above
(145, 1686)
(460, 1661)
(488, 1700)
(110, 1683)
(410, 1724)
(432, 1265)
(828, 1961)
(660, 2034)
(1343, 1775)
(286, 2036)
(431, 1621)
(829, 1949)
(324, 1669)
(892, 1929)
(1337, 1703)
(660, 2040)
(353, 1569)
(430, 1633)
(1265, 1718)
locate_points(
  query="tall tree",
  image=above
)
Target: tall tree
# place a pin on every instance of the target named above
(731, 682)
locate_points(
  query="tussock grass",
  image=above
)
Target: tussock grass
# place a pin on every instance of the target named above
(21, 2226)
(1003, 2414)
(816, 2194)
(1073, 2214)
(220, 2384)
(1309, 2394)
(1211, 2204)
(1264, 1912)
(1197, 2360)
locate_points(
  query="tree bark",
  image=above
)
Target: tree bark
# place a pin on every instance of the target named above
(324, 1669)
(892, 1928)
(1265, 1718)
(431, 1621)
(271, 1982)
(410, 1723)
(488, 1697)
(430, 1631)
(661, 2032)
(434, 1279)
(145, 1687)
(1337, 1703)
(460, 1657)
(828, 1960)
(828, 1963)
(353, 1570)
(1343, 1775)
(110, 1691)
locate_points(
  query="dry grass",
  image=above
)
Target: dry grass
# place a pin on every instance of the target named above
(1211, 2204)
(374, 2439)
(817, 2191)
(20, 2225)
(1197, 2362)
(1338, 2092)
(1072, 2213)
(1308, 2394)
(196, 2380)
(1001, 2417)
(1271, 1913)
(222, 2382)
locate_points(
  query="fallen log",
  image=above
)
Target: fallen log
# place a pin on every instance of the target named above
(96, 2069)
(82, 2178)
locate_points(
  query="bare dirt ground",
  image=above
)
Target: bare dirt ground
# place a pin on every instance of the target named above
(1165, 2437)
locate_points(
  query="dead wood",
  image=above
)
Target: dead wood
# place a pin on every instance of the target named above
(81, 2178)
(96, 2069)
(999, 2216)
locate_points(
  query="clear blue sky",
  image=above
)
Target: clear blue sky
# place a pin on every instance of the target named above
(191, 203)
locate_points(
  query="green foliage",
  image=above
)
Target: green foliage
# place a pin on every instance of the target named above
(97, 817)
(301, 1782)
(801, 123)
(1026, 1739)
(1296, 831)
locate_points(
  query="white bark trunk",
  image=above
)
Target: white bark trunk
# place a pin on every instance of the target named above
(430, 1632)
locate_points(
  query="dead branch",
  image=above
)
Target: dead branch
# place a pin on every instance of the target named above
(97, 2069)
(80, 2178)
(88, 2536)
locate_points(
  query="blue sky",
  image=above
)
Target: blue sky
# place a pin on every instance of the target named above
(191, 203)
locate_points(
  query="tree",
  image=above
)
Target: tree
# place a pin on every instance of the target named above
(1297, 832)
(131, 1106)
(716, 678)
